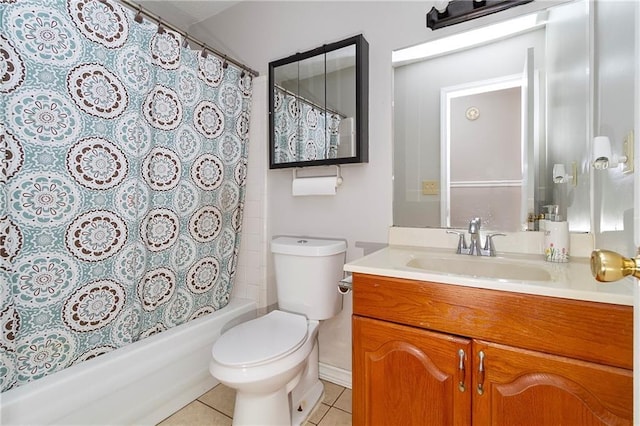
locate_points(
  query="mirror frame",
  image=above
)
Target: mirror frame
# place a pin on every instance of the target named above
(362, 102)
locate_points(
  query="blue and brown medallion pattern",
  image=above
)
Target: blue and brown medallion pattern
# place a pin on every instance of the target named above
(121, 185)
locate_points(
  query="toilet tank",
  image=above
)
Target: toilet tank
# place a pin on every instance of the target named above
(307, 272)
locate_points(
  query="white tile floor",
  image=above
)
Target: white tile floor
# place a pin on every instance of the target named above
(215, 408)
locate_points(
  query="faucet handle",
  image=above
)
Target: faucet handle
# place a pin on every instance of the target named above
(488, 243)
(462, 242)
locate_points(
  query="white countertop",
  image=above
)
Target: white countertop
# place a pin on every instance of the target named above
(571, 280)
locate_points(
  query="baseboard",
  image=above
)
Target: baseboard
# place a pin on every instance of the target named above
(335, 375)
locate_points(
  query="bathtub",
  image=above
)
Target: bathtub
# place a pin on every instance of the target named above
(138, 384)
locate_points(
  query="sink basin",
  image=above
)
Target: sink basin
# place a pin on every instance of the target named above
(481, 267)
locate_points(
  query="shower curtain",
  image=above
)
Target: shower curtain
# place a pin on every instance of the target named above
(122, 182)
(303, 131)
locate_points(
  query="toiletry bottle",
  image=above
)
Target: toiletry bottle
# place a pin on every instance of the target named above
(556, 239)
(547, 213)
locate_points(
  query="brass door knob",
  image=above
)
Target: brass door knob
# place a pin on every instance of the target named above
(607, 266)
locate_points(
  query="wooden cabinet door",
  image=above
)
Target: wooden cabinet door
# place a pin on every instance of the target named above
(523, 387)
(408, 376)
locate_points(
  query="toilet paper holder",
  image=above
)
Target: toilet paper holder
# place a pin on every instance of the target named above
(345, 285)
(338, 175)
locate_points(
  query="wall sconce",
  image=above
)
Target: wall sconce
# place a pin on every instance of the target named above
(604, 158)
(560, 174)
(454, 12)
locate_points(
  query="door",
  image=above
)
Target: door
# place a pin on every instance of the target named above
(530, 144)
(514, 386)
(483, 118)
(636, 208)
(636, 224)
(408, 376)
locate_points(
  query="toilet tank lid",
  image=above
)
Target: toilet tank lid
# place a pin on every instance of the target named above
(302, 246)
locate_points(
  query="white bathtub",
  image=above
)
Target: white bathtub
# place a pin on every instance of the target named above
(139, 384)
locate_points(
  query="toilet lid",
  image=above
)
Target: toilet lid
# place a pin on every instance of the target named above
(261, 340)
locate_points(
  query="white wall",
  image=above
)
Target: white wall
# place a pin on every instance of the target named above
(257, 32)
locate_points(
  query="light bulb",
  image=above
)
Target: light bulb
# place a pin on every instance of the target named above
(441, 5)
(601, 163)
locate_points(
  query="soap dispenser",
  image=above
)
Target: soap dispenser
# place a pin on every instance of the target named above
(556, 238)
(547, 214)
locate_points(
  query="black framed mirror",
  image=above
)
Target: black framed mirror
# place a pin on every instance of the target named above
(319, 106)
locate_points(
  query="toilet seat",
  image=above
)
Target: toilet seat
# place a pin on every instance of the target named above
(261, 340)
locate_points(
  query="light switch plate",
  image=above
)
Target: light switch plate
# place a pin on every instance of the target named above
(430, 187)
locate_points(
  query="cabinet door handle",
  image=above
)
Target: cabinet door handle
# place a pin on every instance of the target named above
(461, 373)
(480, 388)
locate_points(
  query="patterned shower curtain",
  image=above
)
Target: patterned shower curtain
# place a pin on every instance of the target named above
(303, 131)
(122, 182)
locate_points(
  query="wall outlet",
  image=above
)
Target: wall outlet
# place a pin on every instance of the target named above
(430, 187)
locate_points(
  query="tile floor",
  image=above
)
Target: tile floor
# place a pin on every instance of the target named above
(215, 408)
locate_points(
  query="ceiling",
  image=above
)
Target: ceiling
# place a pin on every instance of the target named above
(185, 13)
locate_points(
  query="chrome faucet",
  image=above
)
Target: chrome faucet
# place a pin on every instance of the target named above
(475, 248)
(474, 233)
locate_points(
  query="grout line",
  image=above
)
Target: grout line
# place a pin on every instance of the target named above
(324, 415)
(338, 408)
(214, 409)
(332, 405)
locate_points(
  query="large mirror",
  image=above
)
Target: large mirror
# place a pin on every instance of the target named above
(478, 129)
(318, 106)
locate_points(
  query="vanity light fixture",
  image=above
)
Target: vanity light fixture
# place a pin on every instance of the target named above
(454, 12)
(604, 158)
(469, 38)
(560, 174)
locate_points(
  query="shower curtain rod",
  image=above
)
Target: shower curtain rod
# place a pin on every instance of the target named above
(158, 20)
(310, 102)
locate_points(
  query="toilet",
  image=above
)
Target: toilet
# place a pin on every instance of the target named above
(272, 361)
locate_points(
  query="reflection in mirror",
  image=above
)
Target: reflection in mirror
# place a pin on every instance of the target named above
(495, 175)
(318, 106)
(500, 169)
(341, 96)
(305, 130)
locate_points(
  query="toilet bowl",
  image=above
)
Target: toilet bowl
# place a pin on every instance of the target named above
(264, 360)
(272, 361)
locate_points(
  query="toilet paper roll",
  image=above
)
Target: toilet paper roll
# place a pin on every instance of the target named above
(314, 186)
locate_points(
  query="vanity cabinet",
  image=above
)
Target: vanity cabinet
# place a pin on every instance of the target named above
(438, 354)
(407, 376)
